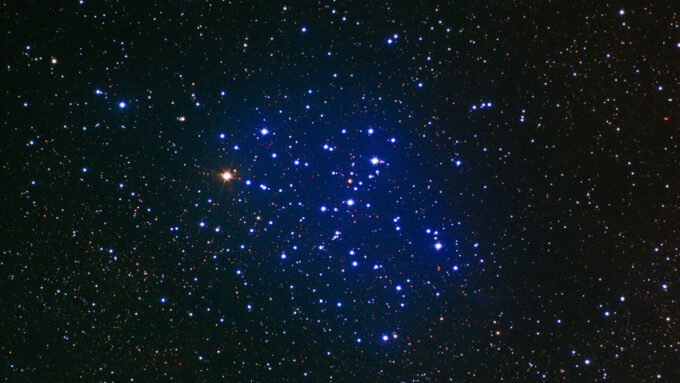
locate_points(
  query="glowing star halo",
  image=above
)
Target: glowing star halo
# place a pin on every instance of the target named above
(227, 176)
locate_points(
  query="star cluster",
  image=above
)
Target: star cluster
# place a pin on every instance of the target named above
(328, 191)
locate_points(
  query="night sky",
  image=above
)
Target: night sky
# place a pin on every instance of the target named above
(473, 191)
